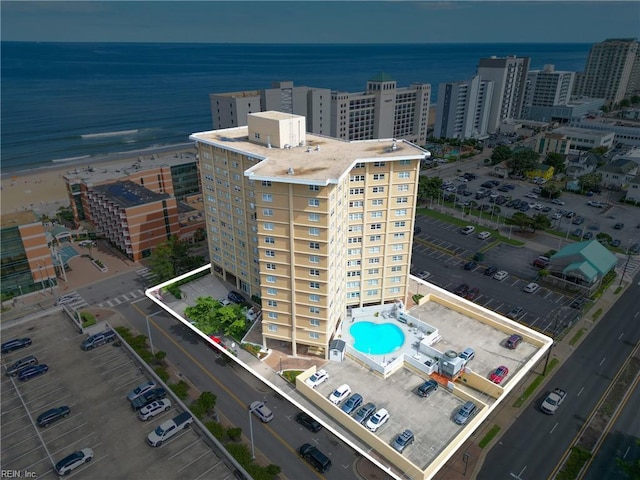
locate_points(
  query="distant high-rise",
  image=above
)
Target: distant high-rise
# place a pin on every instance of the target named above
(509, 75)
(546, 88)
(611, 71)
(382, 111)
(463, 109)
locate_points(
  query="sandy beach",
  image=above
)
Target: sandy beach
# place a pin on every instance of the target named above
(43, 190)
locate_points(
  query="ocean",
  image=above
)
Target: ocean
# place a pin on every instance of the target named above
(66, 101)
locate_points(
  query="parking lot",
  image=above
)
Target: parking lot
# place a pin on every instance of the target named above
(94, 384)
(443, 251)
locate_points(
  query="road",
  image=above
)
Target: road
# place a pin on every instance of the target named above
(535, 442)
(234, 387)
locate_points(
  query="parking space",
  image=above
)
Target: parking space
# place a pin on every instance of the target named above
(94, 385)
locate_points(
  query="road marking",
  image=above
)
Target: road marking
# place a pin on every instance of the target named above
(580, 392)
(626, 453)
(602, 361)
(554, 427)
(621, 335)
(519, 475)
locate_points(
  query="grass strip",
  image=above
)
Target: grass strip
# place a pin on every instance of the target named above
(535, 384)
(489, 436)
(577, 336)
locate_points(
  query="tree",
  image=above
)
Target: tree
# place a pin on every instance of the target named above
(520, 220)
(540, 222)
(631, 468)
(550, 191)
(500, 154)
(556, 160)
(590, 182)
(523, 161)
(429, 187)
(210, 316)
(173, 258)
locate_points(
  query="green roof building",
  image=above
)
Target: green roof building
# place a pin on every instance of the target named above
(583, 263)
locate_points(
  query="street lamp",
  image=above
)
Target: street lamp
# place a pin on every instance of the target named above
(251, 410)
(553, 336)
(149, 329)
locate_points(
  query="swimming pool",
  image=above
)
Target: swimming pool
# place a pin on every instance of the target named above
(376, 338)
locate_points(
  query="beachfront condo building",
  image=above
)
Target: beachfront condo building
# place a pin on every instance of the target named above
(27, 265)
(546, 88)
(310, 225)
(509, 77)
(463, 109)
(612, 71)
(382, 111)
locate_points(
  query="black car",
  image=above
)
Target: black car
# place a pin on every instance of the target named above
(615, 243)
(619, 226)
(578, 302)
(427, 388)
(15, 344)
(635, 249)
(470, 265)
(489, 271)
(148, 397)
(308, 422)
(30, 372)
(315, 457)
(364, 412)
(461, 289)
(417, 229)
(236, 297)
(47, 418)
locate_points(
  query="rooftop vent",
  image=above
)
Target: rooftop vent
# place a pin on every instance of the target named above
(290, 171)
(317, 148)
(308, 149)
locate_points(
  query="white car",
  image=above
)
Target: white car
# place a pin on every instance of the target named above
(73, 461)
(501, 275)
(468, 230)
(556, 215)
(531, 287)
(484, 235)
(260, 410)
(555, 201)
(251, 314)
(377, 420)
(317, 378)
(154, 408)
(339, 394)
(531, 195)
(140, 390)
(224, 301)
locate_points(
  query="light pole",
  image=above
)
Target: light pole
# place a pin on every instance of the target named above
(41, 276)
(149, 329)
(251, 410)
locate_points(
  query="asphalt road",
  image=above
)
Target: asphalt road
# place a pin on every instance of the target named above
(535, 442)
(234, 387)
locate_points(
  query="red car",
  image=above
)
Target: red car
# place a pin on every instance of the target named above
(498, 375)
(218, 341)
(472, 294)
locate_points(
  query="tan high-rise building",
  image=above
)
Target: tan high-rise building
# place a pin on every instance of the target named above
(311, 225)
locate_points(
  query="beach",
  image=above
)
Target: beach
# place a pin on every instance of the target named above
(43, 190)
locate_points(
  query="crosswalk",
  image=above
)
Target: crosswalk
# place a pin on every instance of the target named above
(147, 274)
(72, 300)
(125, 298)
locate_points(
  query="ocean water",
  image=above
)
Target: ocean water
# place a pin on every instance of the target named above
(63, 101)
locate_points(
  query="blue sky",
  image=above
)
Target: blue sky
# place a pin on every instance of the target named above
(320, 21)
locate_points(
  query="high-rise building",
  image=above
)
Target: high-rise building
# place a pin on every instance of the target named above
(463, 109)
(509, 75)
(612, 70)
(309, 224)
(546, 88)
(382, 111)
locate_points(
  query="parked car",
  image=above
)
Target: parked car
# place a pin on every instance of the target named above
(317, 378)
(403, 440)
(353, 402)
(484, 235)
(98, 339)
(461, 289)
(308, 422)
(557, 201)
(427, 388)
(541, 261)
(500, 275)
(470, 265)
(531, 287)
(619, 226)
(73, 461)
(224, 301)
(377, 420)
(315, 457)
(515, 312)
(52, 415)
(499, 374)
(467, 410)
(489, 271)
(578, 302)
(140, 389)
(260, 410)
(154, 408)
(15, 368)
(423, 275)
(148, 397)
(417, 229)
(468, 230)
(472, 294)
(236, 297)
(615, 243)
(513, 341)
(587, 236)
(467, 355)
(364, 412)
(339, 394)
(168, 429)
(33, 371)
(15, 344)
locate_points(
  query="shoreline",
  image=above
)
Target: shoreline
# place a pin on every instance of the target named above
(43, 189)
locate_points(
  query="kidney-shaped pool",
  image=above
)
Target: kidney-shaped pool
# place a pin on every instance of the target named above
(376, 338)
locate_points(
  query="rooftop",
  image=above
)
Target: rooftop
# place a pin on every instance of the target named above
(129, 194)
(16, 219)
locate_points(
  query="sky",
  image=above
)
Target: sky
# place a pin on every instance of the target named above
(319, 21)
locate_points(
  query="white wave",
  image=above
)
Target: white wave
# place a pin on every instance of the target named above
(109, 134)
(70, 159)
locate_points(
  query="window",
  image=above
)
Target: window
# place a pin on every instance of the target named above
(267, 197)
(270, 240)
(374, 249)
(373, 282)
(399, 224)
(354, 273)
(378, 190)
(377, 202)
(397, 268)
(371, 293)
(267, 212)
(405, 162)
(404, 174)
(353, 295)
(394, 290)
(314, 202)
(271, 266)
(314, 259)
(353, 284)
(269, 253)
(379, 164)
(376, 214)
(271, 279)
(375, 238)
(314, 188)
(314, 285)
(266, 183)
(314, 231)
(314, 272)
(398, 247)
(272, 303)
(402, 199)
(376, 226)
(272, 291)
(314, 322)
(356, 216)
(374, 260)
(314, 309)
(359, 165)
(356, 203)
(357, 178)
(355, 240)
(314, 245)
(378, 176)
(401, 212)
(268, 226)
(354, 251)
(273, 328)
(396, 258)
(314, 335)
(396, 279)
(355, 228)
(403, 188)
(314, 298)
(354, 263)
(273, 315)
(373, 271)
(356, 191)
(314, 217)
